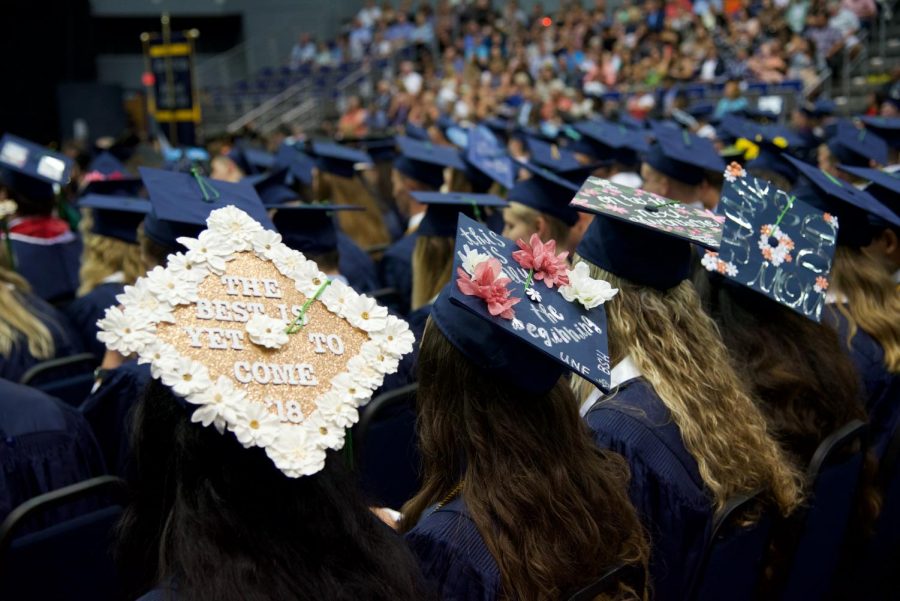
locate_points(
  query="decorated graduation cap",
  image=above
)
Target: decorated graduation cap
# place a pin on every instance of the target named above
(256, 341)
(683, 156)
(515, 310)
(310, 228)
(182, 202)
(843, 201)
(272, 187)
(443, 210)
(425, 162)
(339, 160)
(888, 128)
(299, 164)
(486, 155)
(641, 236)
(107, 165)
(115, 216)
(32, 170)
(774, 243)
(883, 186)
(546, 192)
(857, 146)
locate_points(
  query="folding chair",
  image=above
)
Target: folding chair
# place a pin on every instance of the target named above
(69, 560)
(67, 378)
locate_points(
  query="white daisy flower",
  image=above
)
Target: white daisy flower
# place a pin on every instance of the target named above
(265, 242)
(182, 266)
(267, 331)
(185, 377)
(517, 324)
(380, 360)
(710, 261)
(125, 331)
(337, 409)
(364, 313)
(160, 356)
(234, 224)
(347, 385)
(586, 290)
(324, 434)
(730, 269)
(364, 374)
(138, 298)
(308, 278)
(170, 288)
(337, 297)
(210, 248)
(219, 404)
(289, 262)
(295, 454)
(471, 258)
(395, 338)
(255, 425)
(533, 294)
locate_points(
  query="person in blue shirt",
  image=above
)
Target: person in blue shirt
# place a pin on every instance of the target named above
(677, 411)
(44, 445)
(731, 101)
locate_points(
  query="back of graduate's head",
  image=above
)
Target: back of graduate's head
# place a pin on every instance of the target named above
(19, 322)
(520, 222)
(432, 266)
(220, 521)
(366, 228)
(552, 507)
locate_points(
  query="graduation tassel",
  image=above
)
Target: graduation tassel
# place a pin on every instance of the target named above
(296, 325)
(208, 191)
(476, 210)
(784, 211)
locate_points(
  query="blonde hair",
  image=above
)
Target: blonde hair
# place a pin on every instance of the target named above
(104, 256)
(17, 319)
(432, 266)
(679, 352)
(558, 230)
(366, 228)
(872, 300)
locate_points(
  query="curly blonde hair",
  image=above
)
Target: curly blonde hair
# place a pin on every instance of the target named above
(104, 256)
(679, 352)
(872, 300)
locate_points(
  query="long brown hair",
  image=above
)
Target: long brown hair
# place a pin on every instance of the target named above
(872, 300)
(366, 228)
(553, 509)
(432, 267)
(679, 352)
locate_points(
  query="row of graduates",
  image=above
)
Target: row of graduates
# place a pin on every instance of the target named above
(516, 500)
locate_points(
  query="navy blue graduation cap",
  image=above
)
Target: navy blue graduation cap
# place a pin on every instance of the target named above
(546, 192)
(886, 127)
(731, 127)
(632, 122)
(115, 186)
(417, 132)
(500, 125)
(272, 187)
(842, 200)
(818, 109)
(486, 155)
(579, 143)
(552, 156)
(759, 114)
(774, 244)
(773, 143)
(337, 159)
(182, 203)
(621, 143)
(32, 170)
(251, 160)
(310, 228)
(532, 343)
(299, 164)
(683, 156)
(883, 186)
(443, 210)
(425, 162)
(856, 146)
(106, 164)
(379, 148)
(116, 216)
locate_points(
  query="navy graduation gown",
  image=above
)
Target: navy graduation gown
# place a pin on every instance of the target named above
(880, 387)
(665, 487)
(85, 311)
(452, 555)
(396, 269)
(65, 339)
(44, 445)
(356, 265)
(108, 409)
(51, 269)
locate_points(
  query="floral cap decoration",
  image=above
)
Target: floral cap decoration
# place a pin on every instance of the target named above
(564, 319)
(258, 340)
(774, 243)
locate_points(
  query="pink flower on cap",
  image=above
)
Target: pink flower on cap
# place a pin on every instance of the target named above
(542, 258)
(487, 285)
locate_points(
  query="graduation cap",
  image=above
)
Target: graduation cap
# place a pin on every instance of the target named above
(774, 244)
(856, 146)
(619, 142)
(32, 170)
(116, 216)
(731, 127)
(818, 109)
(701, 111)
(272, 187)
(883, 186)
(115, 186)
(443, 210)
(107, 165)
(425, 162)
(551, 156)
(545, 192)
(683, 156)
(379, 148)
(457, 136)
(251, 160)
(499, 125)
(527, 343)
(773, 142)
(182, 202)
(299, 164)
(310, 228)
(486, 155)
(337, 159)
(842, 200)
(417, 132)
(887, 128)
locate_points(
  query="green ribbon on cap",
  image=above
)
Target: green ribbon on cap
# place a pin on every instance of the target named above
(572, 133)
(296, 325)
(476, 210)
(208, 191)
(784, 211)
(862, 135)
(832, 179)
(687, 138)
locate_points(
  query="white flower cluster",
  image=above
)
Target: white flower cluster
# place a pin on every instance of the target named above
(296, 443)
(586, 290)
(712, 262)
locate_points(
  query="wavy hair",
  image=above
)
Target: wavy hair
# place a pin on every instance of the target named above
(679, 352)
(18, 320)
(432, 268)
(104, 256)
(366, 228)
(552, 508)
(872, 300)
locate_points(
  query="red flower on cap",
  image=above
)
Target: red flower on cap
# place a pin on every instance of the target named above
(542, 258)
(489, 285)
